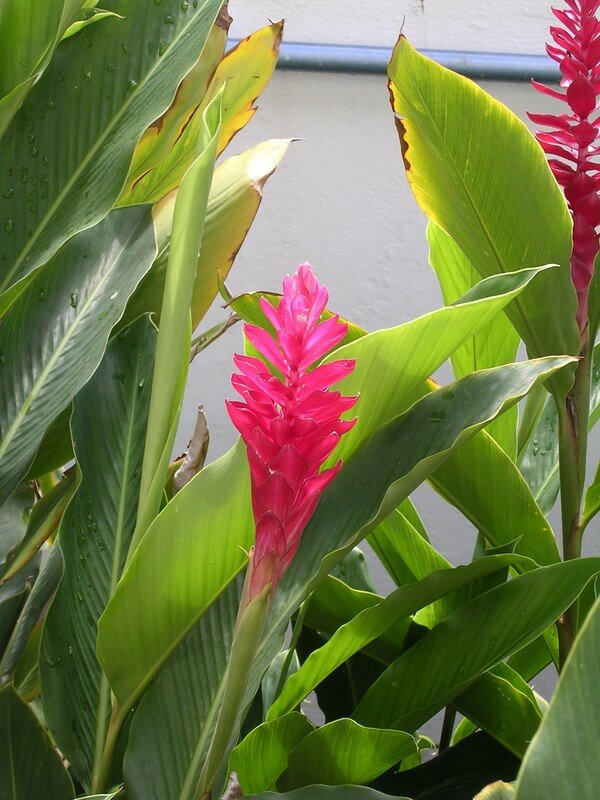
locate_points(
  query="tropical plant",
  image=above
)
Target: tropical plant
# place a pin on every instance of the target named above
(164, 624)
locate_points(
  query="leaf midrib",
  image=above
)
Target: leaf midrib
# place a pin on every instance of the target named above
(104, 699)
(90, 156)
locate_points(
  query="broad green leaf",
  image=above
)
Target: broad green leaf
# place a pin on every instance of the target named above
(30, 767)
(51, 187)
(235, 196)
(29, 33)
(53, 337)
(343, 752)
(159, 139)
(477, 479)
(474, 638)
(408, 557)
(501, 703)
(326, 793)
(45, 518)
(497, 791)
(241, 75)
(562, 760)
(373, 622)
(538, 459)
(457, 773)
(56, 448)
(399, 463)
(32, 612)
(477, 171)
(262, 756)
(174, 333)
(388, 382)
(109, 425)
(165, 751)
(496, 345)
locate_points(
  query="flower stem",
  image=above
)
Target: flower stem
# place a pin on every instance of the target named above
(246, 639)
(573, 417)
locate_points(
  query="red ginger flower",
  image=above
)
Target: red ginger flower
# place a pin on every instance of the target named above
(289, 426)
(571, 142)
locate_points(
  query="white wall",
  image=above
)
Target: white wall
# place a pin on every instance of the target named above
(340, 198)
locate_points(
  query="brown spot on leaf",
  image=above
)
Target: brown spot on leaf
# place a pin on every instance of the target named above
(224, 19)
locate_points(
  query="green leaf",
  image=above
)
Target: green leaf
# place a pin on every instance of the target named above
(457, 773)
(389, 380)
(166, 150)
(166, 751)
(235, 197)
(477, 171)
(53, 337)
(326, 793)
(29, 33)
(538, 459)
(562, 761)
(501, 703)
(30, 767)
(497, 791)
(263, 755)
(174, 334)
(109, 425)
(591, 504)
(374, 621)
(161, 137)
(496, 345)
(45, 518)
(477, 479)
(343, 752)
(474, 638)
(55, 449)
(52, 187)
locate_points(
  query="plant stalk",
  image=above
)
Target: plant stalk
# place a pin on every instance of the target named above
(573, 418)
(246, 639)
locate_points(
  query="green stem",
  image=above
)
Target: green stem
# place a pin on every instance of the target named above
(246, 639)
(447, 728)
(573, 418)
(103, 771)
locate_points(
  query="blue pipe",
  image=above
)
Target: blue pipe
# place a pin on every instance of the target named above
(374, 60)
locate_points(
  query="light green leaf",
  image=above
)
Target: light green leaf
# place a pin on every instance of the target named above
(501, 703)
(45, 518)
(562, 760)
(477, 479)
(326, 793)
(497, 791)
(29, 33)
(496, 345)
(343, 752)
(474, 638)
(538, 459)
(262, 756)
(54, 336)
(97, 16)
(375, 621)
(30, 767)
(174, 333)
(166, 150)
(235, 197)
(51, 187)
(109, 425)
(477, 171)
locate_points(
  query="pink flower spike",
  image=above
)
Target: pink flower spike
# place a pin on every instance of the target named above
(573, 137)
(291, 425)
